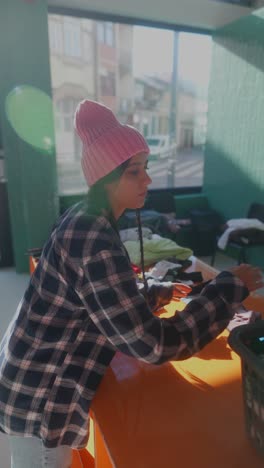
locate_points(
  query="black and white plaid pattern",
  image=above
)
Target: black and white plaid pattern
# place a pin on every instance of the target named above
(83, 304)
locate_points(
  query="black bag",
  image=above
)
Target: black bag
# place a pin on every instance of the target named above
(205, 225)
(149, 218)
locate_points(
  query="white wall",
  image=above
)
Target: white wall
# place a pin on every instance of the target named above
(12, 288)
(4, 451)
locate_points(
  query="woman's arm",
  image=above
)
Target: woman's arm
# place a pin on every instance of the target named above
(109, 292)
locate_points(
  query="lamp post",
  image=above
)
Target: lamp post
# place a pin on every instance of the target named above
(174, 86)
(173, 109)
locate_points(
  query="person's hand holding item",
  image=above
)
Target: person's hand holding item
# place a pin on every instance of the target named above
(251, 276)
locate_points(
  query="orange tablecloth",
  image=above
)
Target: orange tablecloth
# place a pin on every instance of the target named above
(181, 414)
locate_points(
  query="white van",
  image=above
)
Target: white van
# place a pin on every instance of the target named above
(160, 146)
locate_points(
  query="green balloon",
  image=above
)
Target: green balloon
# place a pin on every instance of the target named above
(30, 113)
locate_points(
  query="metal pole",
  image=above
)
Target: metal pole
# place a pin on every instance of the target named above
(173, 110)
(96, 61)
(174, 86)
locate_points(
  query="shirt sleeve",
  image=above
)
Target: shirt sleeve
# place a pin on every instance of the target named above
(158, 293)
(120, 312)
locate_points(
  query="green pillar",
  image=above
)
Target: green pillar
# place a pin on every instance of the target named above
(27, 124)
(233, 174)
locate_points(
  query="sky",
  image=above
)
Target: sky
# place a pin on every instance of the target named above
(153, 53)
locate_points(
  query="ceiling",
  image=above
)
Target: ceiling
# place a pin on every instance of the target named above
(190, 14)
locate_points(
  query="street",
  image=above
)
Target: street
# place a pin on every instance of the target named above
(184, 170)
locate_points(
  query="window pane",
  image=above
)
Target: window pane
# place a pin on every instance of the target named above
(100, 32)
(55, 36)
(72, 38)
(109, 34)
(162, 91)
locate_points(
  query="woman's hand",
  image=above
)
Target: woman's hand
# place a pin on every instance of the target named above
(251, 276)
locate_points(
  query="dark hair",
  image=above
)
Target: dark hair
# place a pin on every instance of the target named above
(97, 197)
(97, 202)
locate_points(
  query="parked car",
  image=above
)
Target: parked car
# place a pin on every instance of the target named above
(160, 146)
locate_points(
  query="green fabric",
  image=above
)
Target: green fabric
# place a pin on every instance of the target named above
(155, 250)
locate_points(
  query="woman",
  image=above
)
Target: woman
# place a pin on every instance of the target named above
(83, 304)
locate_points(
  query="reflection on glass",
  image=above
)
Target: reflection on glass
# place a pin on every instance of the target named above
(29, 111)
(160, 90)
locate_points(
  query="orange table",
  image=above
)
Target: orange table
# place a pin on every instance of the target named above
(32, 264)
(181, 414)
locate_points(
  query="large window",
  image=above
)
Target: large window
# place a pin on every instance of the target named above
(154, 79)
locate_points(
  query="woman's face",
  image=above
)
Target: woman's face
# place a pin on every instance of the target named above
(131, 189)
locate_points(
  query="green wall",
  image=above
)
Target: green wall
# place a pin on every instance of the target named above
(30, 160)
(234, 154)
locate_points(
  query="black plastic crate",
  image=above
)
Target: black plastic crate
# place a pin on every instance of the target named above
(248, 342)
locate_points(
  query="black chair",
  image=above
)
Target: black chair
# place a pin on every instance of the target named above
(205, 225)
(241, 240)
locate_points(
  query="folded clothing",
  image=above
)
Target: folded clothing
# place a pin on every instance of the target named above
(161, 269)
(238, 224)
(155, 249)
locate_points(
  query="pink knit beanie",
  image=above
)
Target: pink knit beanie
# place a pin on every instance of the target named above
(106, 142)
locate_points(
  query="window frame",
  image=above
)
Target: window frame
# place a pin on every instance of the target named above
(136, 21)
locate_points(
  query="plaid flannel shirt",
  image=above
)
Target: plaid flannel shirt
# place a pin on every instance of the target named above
(81, 306)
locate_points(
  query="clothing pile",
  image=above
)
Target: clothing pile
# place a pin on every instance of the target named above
(238, 226)
(155, 246)
(165, 272)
